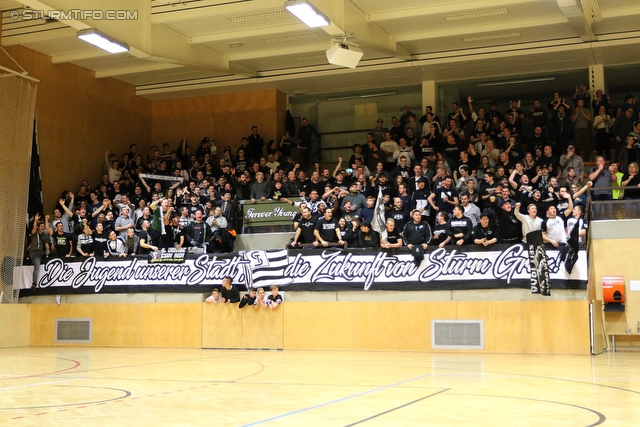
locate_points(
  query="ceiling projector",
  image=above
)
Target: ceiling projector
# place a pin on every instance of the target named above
(344, 55)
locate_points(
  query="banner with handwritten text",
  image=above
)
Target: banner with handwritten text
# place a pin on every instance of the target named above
(313, 270)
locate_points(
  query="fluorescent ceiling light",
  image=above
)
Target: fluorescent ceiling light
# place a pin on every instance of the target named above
(102, 41)
(306, 13)
(371, 95)
(517, 82)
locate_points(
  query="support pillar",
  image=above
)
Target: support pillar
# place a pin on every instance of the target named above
(429, 95)
(596, 83)
(596, 79)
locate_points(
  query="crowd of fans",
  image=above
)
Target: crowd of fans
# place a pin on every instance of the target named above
(475, 177)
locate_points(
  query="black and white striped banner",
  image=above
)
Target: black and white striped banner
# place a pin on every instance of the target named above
(504, 266)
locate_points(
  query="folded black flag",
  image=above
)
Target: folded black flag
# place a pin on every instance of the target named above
(538, 264)
(574, 247)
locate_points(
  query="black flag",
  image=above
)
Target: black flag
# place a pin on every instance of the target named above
(538, 264)
(574, 247)
(35, 183)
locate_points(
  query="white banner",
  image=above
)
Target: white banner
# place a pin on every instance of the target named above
(315, 269)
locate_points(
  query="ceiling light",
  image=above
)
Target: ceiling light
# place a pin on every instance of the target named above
(369, 95)
(102, 41)
(517, 82)
(306, 13)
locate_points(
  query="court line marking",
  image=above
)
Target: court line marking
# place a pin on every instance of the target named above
(591, 383)
(397, 407)
(331, 402)
(126, 393)
(39, 384)
(76, 364)
(148, 364)
(601, 417)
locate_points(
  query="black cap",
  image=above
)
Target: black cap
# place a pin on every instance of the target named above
(366, 224)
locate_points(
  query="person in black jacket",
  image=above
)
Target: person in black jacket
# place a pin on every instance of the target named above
(485, 233)
(509, 227)
(367, 237)
(416, 232)
(198, 233)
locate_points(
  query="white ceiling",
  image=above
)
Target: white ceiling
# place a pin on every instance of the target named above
(186, 48)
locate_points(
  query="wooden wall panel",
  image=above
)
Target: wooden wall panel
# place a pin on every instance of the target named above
(221, 326)
(181, 107)
(397, 325)
(114, 325)
(79, 118)
(243, 101)
(225, 118)
(538, 327)
(614, 259)
(16, 325)
(262, 328)
(326, 325)
(502, 323)
(555, 327)
(172, 325)
(172, 129)
(43, 322)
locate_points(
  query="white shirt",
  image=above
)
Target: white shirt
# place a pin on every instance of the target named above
(554, 229)
(528, 224)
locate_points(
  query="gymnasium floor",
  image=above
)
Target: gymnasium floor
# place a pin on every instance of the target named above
(173, 387)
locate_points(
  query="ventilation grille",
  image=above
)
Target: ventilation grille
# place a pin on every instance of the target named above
(73, 330)
(256, 16)
(290, 37)
(457, 334)
(178, 72)
(472, 15)
(491, 37)
(309, 57)
(124, 58)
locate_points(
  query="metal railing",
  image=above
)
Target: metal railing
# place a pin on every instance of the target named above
(601, 210)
